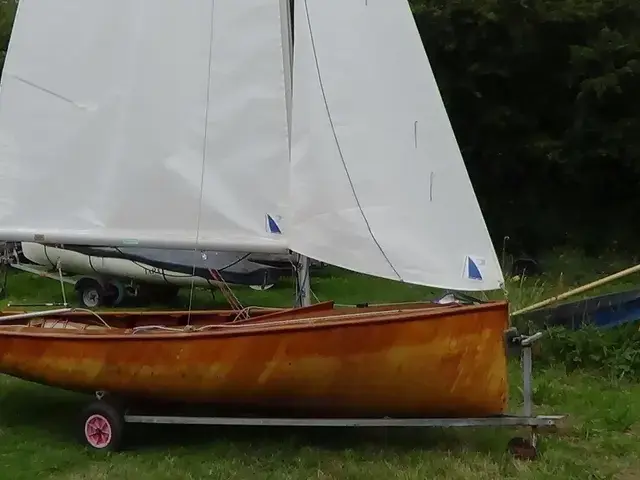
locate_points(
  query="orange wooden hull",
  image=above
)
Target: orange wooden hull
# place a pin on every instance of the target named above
(422, 360)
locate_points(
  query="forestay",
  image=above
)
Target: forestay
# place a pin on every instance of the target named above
(378, 182)
(160, 123)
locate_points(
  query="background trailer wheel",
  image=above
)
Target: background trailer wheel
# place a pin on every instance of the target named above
(101, 426)
(91, 293)
(114, 293)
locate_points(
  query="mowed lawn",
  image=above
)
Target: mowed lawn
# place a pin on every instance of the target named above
(38, 425)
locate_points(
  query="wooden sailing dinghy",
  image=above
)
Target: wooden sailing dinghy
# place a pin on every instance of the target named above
(402, 361)
(150, 124)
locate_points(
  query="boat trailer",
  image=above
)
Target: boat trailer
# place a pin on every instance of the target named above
(103, 421)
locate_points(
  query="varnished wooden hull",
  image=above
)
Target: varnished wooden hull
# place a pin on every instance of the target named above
(422, 360)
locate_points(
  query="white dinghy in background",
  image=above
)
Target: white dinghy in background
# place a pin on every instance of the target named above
(106, 276)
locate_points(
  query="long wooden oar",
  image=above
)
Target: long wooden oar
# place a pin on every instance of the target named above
(575, 291)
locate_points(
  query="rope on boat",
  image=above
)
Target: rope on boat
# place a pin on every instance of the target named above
(236, 323)
(229, 295)
(293, 321)
(243, 315)
(78, 309)
(43, 319)
(224, 288)
(158, 327)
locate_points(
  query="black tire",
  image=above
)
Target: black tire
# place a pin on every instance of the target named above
(522, 449)
(90, 293)
(101, 427)
(114, 295)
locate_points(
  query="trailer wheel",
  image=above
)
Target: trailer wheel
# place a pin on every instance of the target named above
(101, 426)
(115, 294)
(90, 293)
(522, 449)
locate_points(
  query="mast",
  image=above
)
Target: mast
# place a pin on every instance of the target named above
(303, 296)
(303, 278)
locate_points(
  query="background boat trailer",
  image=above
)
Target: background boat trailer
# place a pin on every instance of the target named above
(103, 421)
(92, 290)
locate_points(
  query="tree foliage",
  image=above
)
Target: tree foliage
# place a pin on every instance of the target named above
(543, 96)
(7, 14)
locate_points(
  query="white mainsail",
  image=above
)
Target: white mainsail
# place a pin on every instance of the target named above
(156, 123)
(378, 182)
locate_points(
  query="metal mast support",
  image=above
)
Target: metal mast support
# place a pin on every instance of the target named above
(303, 290)
(303, 296)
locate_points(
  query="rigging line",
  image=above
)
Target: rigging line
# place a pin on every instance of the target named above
(164, 269)
(226, 291)
(204, 158)
(46, 254)
(226, 267)
(335, 136)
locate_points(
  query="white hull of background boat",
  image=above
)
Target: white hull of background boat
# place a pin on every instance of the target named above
(76, 263)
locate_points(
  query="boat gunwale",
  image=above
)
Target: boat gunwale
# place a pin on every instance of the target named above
(151, 313)
(257, 328)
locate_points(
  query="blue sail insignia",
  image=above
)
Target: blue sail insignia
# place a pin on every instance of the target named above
(272, 226)
(473, 272)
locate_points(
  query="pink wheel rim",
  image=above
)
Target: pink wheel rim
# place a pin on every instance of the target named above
(97, 431)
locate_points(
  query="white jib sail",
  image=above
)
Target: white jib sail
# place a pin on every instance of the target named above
(157, 123)
(378, 182)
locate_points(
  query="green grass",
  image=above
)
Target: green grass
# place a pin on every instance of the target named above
(602, 440)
